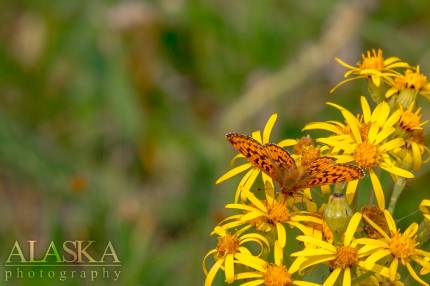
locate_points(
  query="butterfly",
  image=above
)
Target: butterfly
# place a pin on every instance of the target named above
(277, 163)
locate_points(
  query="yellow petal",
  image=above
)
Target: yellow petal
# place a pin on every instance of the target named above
(282, 235)
(373, 132)
(411, 230)
(350, 190)
(211, 275)
(247, 184)
(229, 268)
(376, 80)
(251, 261)
(257, 136)
(252, 215)
(259, 204)
(279, 253)
(233, 172)
(352, 227)
(376, 256)
(316, 242)
(347, 277)
(205, 271)
(247, 275)
(323, 126)
(351, 120)
(377, 188)
(416, 155)
(390, 92)
(385, 132)
(394, 118)
(381, 112)
(392, 144)
(366, 109)
(415, 276)
(375, 226)
(424, 205)
(287, 142)
(268, 128)
(393, 268)
(396, 171)
(312, 252)
(331, 279)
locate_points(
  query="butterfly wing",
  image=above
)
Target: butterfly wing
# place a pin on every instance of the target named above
(254, 151)
(324, 171)
(280, 156)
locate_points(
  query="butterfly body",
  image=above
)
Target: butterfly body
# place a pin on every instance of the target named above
(277, 163)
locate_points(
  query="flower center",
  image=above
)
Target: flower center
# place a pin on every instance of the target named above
(373, 60)
(228, 244)
(414, 80)
(402, 246)
(277, 212)
(277, 276)
(306, 150)
(367, 155)
(410, 121)
(346, 256)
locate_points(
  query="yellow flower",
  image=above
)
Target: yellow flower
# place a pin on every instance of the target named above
(230, 251)
(413, 81)
(340, 257)
(271, 274)
(378, 280)
(366, 141)
(253, 171)
(268, 214)
(399, 247)
(414, 153)
(374, 67)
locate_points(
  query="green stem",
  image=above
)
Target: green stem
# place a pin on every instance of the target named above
(398, 188)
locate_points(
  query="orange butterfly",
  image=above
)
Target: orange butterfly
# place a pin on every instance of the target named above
(276, 162)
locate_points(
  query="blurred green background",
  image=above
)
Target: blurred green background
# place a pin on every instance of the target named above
(113, 113)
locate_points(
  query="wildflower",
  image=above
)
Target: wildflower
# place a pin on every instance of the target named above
(400, 247)
(341, 258)
(270, 214)
(407, 87)
(365, 140)
(271, 274)
(374, 67)
(252, 171)
(414, 153)
(230, 251)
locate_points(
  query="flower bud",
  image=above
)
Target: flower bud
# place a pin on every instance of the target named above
(337, 214)
(406, 97)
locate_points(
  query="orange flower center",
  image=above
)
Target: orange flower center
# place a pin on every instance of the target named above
(228, 244)
(414, 80)
(402, 246)
(410, 121)
(277, 276)
(372, 60)
(346, 256)
(277, 212)
(367, 155)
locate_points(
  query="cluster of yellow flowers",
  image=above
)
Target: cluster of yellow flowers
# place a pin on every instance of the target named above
(340, 236)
